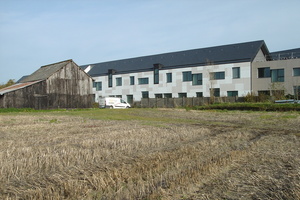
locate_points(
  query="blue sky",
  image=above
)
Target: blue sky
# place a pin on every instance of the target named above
(34, 33)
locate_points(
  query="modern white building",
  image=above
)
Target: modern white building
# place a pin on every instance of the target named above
(228, 70)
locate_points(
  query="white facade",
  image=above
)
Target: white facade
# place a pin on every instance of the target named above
(241, 85)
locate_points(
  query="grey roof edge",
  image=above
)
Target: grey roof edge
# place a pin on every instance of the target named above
(262, 47)
(29, 77)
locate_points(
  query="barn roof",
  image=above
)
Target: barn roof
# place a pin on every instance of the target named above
(233, 53)
(45, 72)
(16, 86)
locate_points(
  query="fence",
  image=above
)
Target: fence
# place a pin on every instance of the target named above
(183, 102)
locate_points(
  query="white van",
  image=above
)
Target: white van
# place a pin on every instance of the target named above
(112, 102)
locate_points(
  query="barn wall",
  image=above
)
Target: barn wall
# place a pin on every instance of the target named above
(33, 96)
(70, 87)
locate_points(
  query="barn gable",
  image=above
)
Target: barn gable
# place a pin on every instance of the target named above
(59, 85)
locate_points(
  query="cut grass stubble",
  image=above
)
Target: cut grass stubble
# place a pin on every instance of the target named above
(80, 158)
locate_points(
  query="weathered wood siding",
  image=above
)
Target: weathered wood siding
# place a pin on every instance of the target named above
(70, 87)
(28, 97)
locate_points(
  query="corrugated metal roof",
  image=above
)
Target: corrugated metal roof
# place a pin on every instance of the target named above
(16, 86)
(242, 52)
(45, 71)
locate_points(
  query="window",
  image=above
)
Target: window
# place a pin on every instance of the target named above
(215, 92)
(187, 76)
(94, 84)
(119, 81)
(236, 72)
(264, 72)
(98, 86)
(169, 77)
(199, 94)
(168, 95)
(296, 71)
(110, 80)
(297, 92)
(197, 79)
(130, 99)
(145, 94)
(131, 80)
(143, 81)
(156, 76)
(217, 75)
(232, 93)
(181, 95)
(158, 95)
(277, 75)
(119, 96)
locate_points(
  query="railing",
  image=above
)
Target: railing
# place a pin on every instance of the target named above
(283, 56)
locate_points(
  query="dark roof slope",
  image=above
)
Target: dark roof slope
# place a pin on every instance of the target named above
(242, 52)
(45, 71)
(285, 54)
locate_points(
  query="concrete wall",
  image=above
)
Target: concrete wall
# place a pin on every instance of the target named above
(290, 80)
(242, 84)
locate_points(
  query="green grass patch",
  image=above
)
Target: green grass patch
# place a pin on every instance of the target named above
(250, 106)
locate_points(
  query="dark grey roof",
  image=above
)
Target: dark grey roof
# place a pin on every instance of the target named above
(22, 78)
(242, 52)
(285, 54)
(45, 71)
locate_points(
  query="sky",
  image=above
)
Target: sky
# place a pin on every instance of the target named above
(34, 33)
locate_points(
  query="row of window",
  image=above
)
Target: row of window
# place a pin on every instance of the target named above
(186, 76)
(276, 75)
(214, 92)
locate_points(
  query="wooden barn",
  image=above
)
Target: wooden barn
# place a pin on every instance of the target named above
(59, 85)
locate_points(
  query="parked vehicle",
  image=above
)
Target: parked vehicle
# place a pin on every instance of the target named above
(112, 102)
(288, 101)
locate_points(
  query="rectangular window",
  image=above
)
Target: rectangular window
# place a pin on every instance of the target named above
(297, 92)
(98, 86)
(181, 95)
(131, 80)
(169, 77)
(156, 76)
(110, 80)
(119, 81)
(158, 95)
(199, 94)
(187, 76)
(296, 71)
(168, 95)
(264, 72)
(145, 94)
(277, 75)
(94, 84)
(197, 79)
(143, 81)
(119, 96)
(215, 92)
(217, 75)
(232, 93)
(130, 99)
(236, 72)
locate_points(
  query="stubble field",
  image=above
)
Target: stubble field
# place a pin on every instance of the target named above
(150, 154)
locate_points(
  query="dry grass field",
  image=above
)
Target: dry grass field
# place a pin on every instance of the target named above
(150, 154)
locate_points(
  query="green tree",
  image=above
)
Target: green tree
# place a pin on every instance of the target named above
(9, 83)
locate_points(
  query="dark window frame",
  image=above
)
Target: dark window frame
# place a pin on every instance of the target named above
(119, 81)
(236, 72)
(169, 77)
(187, 76)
